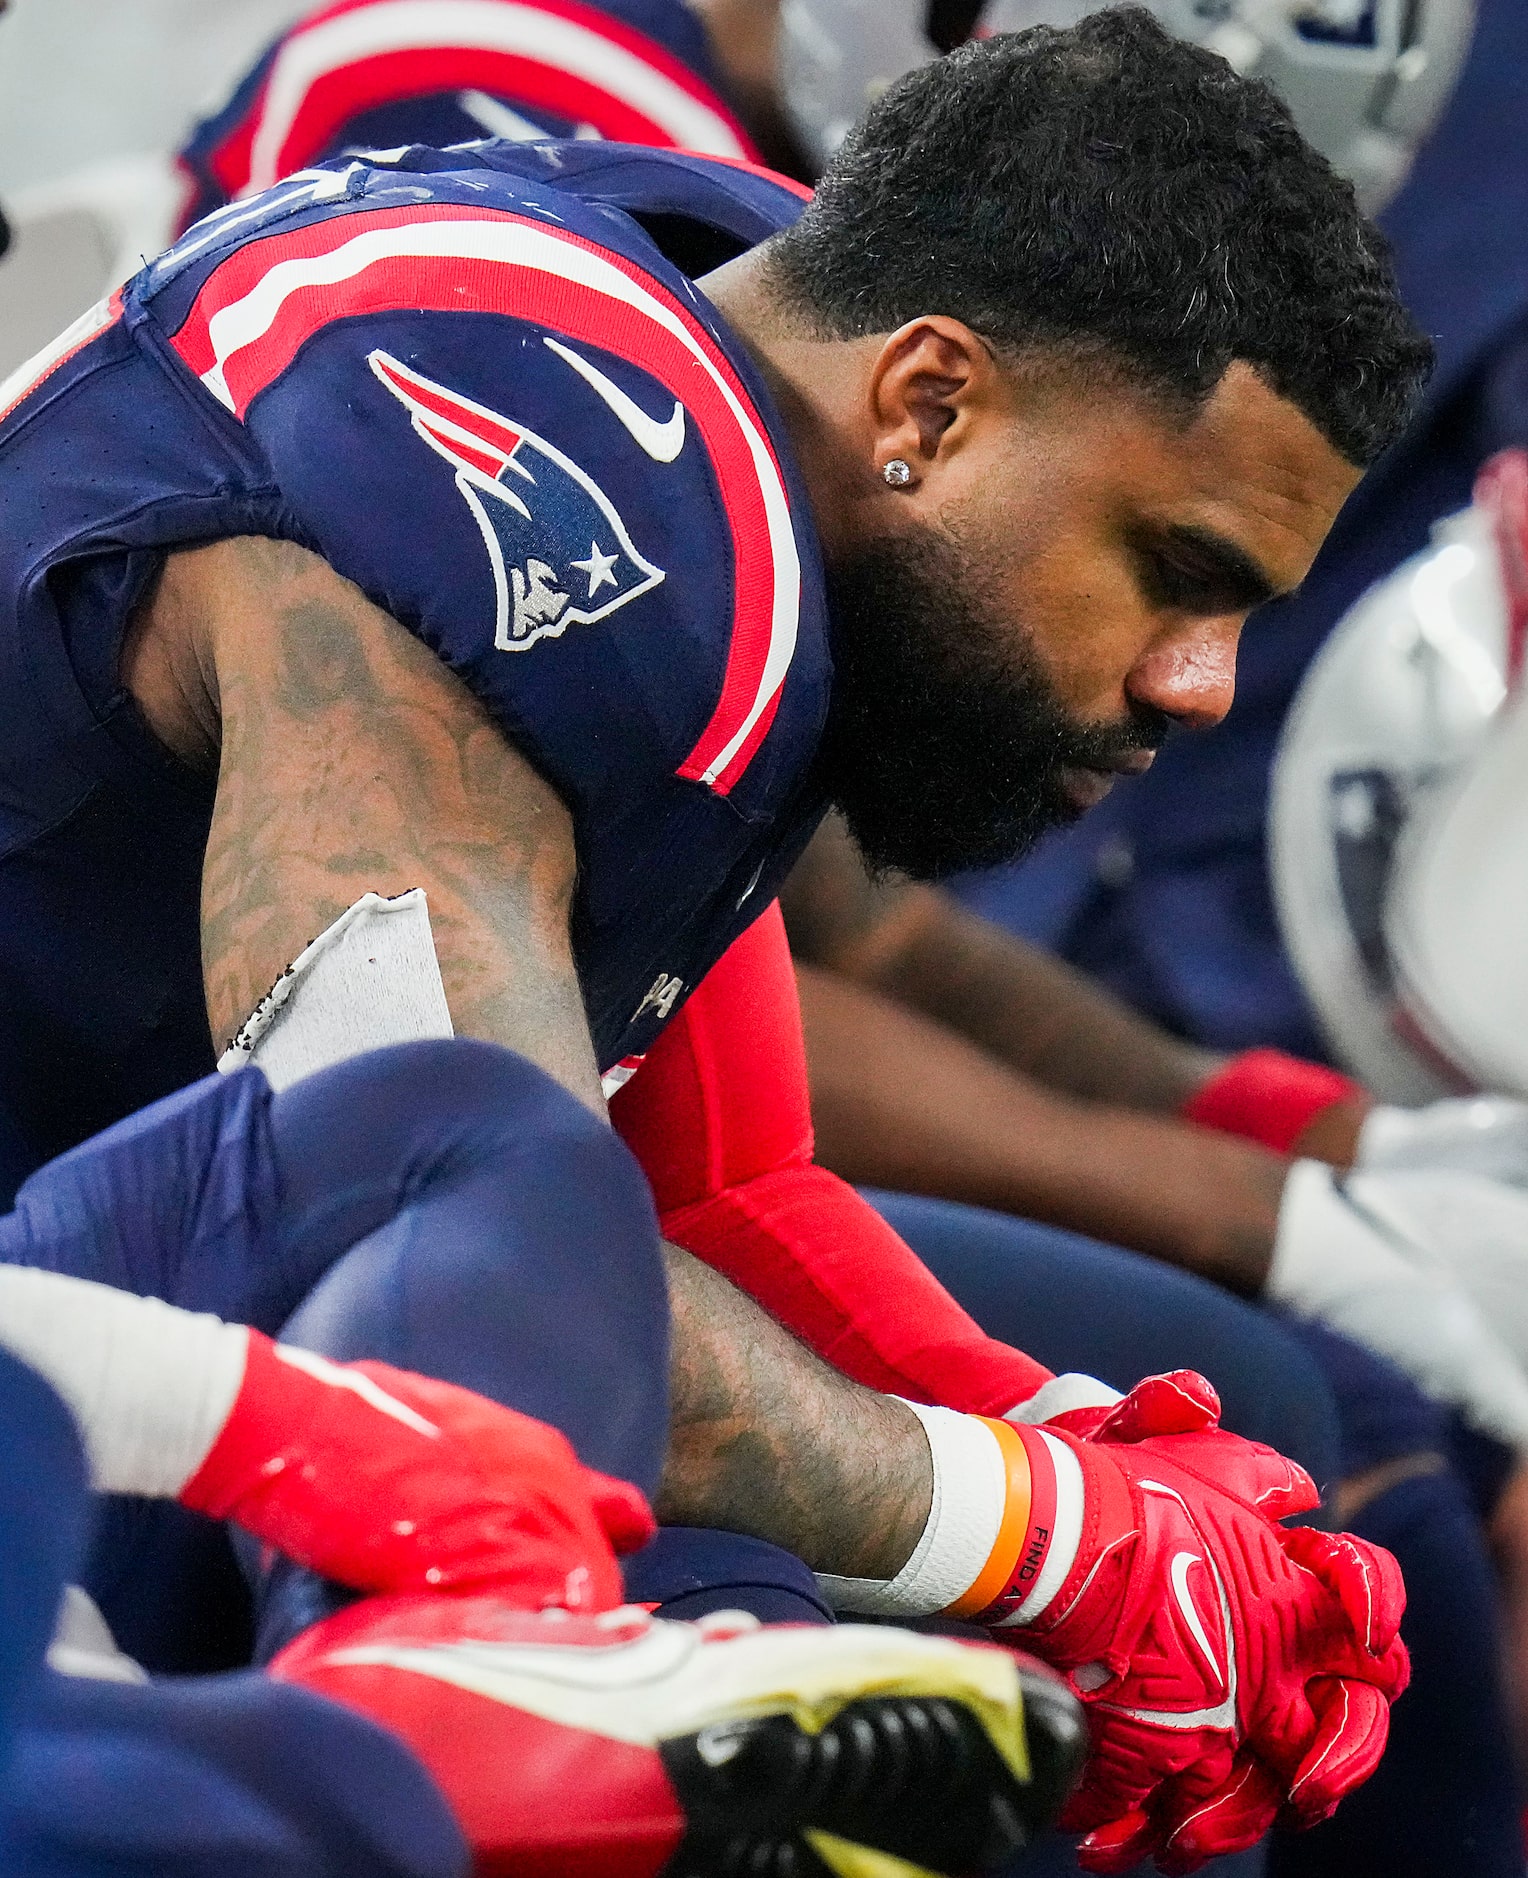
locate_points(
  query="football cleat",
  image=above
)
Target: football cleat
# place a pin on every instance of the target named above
(623, 1744)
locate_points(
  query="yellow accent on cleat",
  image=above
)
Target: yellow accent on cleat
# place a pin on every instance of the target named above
(669, 1681)
(861, 1861)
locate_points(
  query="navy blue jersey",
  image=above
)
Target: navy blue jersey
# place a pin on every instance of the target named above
(376, 74)
(472, 382)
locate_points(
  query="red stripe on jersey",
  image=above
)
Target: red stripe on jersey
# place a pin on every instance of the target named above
(491, 463)
(522, 81)
(229, 160)
(520, 77)
(745, 659)
(260, 306)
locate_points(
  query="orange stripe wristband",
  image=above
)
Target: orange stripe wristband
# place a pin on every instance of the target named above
(996, 1575)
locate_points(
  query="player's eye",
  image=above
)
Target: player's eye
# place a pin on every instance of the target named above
(1178, 578)
(1177, 585)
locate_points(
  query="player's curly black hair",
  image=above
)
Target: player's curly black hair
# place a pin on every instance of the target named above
(1110, 190)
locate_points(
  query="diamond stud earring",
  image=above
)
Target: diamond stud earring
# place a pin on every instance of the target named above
(897, 473)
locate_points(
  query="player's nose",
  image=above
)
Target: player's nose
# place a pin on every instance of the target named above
(1190, 673)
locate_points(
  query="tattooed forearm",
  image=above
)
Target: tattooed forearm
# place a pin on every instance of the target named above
(766, 1439)
(351, 759)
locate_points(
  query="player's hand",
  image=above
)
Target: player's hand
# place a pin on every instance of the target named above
(1429, 1268)
(1234, 1672)
(1485, 1135)
(393, 1482)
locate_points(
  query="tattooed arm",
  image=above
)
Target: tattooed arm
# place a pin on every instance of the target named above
(947, 1058)
(765, 1438)
(350, 759)
(1039, 1016)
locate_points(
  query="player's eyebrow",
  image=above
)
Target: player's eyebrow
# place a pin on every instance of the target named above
(1225, 566)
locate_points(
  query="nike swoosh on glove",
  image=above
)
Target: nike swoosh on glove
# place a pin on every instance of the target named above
(1233, 1672)
(393, 1482)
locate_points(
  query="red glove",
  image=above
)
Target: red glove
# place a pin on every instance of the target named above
(1234, 1672)
(392, 1482)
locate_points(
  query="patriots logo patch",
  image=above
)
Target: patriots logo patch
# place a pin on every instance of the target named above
(559, 551)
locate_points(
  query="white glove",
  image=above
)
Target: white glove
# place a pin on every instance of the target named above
(1471, 1134)
(1428, 1269)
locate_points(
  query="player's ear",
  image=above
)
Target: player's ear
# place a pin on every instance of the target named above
(932, 382)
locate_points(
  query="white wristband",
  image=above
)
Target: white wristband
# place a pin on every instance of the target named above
(970, 1493)
(150, 1385)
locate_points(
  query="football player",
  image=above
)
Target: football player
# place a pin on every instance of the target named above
(477, 547)
(1084, 1129)
(1212, 1205)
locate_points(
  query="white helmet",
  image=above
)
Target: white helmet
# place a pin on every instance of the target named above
(1392, 714)
(1365, 79)
(1456, 922)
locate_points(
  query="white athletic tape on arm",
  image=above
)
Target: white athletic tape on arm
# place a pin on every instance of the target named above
(970, 1492)
(150, 1386)
(370, 979)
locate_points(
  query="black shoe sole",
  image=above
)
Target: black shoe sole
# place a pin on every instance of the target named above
(913, 1776)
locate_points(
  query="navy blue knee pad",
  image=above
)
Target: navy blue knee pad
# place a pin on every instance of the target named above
(516, 1253)
(515, 1249)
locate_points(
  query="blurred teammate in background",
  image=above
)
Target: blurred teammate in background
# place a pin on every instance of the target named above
(374, 74)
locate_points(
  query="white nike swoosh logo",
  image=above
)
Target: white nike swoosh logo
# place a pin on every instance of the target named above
(662, 442)
(1223, 1714)
(1178, 1573)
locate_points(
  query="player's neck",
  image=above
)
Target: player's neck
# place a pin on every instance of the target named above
(818, 384)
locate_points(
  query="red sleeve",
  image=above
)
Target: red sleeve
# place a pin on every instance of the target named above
(720, 1119)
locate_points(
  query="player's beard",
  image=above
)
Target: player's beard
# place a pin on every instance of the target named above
(946, 744)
